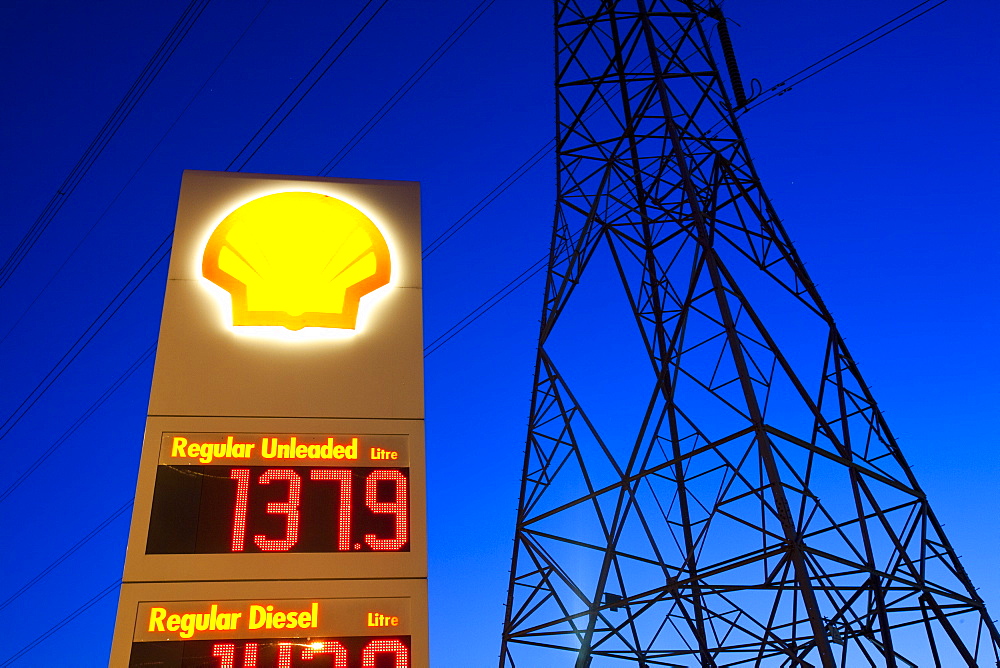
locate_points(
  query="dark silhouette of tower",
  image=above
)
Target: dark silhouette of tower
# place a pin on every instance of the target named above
(707, 479)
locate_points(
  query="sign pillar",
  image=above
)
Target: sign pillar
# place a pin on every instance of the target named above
(280, 508)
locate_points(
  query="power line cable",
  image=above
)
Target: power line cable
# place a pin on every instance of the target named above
(488, 199)
(116, 303)
(166, 49)
(407, 85)
(302, 82)
(68, 553)
(784, 87)
(114, 387)
(486, 306)
(137, 170)
(63, 622)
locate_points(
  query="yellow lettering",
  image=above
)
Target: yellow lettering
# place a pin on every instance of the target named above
(278, 620)
(257, 616)
(190, 624)
(378, 619)
(156, 616)
(227, 621)
(352, 449)
(187, 625)
(206, 452)
(268, 447)
(177, 450)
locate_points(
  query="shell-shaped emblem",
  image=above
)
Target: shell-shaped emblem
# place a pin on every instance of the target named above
(297, 259)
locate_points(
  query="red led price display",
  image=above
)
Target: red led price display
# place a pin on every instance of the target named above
(228, 509)
(364, 652)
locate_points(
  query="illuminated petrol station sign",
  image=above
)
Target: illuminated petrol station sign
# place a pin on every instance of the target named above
(279, 518)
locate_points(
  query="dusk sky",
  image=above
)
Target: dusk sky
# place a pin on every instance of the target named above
(883, 168)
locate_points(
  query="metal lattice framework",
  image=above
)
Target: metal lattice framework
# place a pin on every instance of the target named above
(707, 480)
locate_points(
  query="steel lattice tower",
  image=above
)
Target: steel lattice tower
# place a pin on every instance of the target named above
(728, 493)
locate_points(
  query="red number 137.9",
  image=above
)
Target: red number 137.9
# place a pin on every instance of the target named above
(290, 508)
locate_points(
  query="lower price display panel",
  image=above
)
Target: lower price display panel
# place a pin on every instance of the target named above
(298, 624)
(349, 652)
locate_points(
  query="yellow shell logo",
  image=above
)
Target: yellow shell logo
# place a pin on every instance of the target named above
(297, 259)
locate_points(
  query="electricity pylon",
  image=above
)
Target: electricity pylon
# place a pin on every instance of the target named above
(707, 480)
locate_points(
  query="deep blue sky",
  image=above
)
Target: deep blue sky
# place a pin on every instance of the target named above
(883, 168)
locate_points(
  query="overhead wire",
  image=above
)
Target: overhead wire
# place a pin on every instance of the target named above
(449, 232)
(55, 628)
(135, 92)
(302, 82)
(103, 318)
(488, 199)
(408, 85)
(784, 87)
(111, 389)
(463, 27)
(491, 302)
(121, 510)
(534, 159)
(135, 172)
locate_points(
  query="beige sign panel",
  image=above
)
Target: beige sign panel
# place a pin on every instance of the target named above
(281, 482)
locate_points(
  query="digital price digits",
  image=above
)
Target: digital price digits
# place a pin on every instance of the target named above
(219, 509)
(382, 652)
